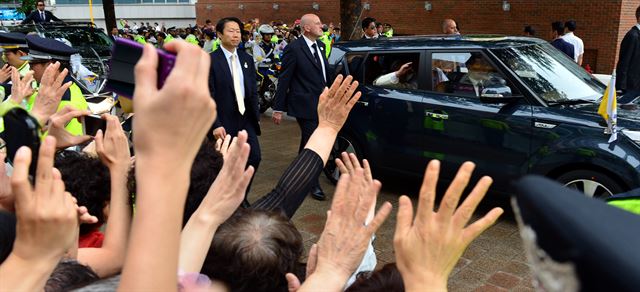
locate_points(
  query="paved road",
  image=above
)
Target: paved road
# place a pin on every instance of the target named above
(493, 262)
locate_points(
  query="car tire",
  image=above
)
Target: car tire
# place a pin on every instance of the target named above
(343, 143)
(591, 183)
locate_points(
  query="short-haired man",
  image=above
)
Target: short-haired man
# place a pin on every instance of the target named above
(557, 30)
(13, 46)
(232, 82)
(529, 31)
(570, 37)
(304, 75)
(449, 26)
(628, 69)
(370, 29)
(40, 15)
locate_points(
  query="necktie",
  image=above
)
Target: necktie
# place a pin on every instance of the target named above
(315, 54)
(236, 84)
(42, 15)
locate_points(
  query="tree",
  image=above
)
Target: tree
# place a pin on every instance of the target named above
(109, 14)
(350, 11)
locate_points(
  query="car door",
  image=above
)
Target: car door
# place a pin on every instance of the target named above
(460, 127)
(394, 134)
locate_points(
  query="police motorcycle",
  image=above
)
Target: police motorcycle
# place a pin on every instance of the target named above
(268, 67)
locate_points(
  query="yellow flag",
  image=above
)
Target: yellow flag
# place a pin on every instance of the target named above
(609, 107)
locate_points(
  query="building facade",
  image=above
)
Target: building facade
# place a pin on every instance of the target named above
(601, 24)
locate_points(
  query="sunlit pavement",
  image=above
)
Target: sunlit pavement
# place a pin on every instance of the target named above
(493, 262)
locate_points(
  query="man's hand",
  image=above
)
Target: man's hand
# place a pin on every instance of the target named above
(50, 92)
(276, 117)
(181, 111)
(20, 87)
(47, 215)
(222, 146)
(113, 146)
(219, 133)
(429, 246)
(5, 73)
(335, 103)
(59, 120)
(346, 236)
(404, 70)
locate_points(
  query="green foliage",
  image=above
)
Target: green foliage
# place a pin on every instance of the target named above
(26, 7)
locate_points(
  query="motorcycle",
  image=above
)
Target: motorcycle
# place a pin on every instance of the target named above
(267, 79)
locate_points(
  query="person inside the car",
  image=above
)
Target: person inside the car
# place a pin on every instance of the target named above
(480, 75)
(402, 78)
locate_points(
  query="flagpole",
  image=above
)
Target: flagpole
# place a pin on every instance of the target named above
(91, 10)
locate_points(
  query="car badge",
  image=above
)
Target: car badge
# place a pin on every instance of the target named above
(544, 125)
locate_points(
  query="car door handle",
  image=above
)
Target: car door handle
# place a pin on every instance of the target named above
(436, 115)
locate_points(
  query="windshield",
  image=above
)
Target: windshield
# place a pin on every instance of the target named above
(552, 76)
(83, 38)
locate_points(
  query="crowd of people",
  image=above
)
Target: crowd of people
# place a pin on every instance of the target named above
(218, 241)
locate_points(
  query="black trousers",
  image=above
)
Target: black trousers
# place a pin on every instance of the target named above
(307, 126)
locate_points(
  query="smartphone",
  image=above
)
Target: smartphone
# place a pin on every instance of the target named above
(92, 124)
(21, 129)
(124, 56)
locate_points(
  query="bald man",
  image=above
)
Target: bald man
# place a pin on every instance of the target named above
(449, 26)
(304, 75)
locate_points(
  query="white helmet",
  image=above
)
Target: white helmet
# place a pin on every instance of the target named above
(266, 29)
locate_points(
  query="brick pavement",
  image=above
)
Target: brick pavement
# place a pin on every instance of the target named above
(493, 262)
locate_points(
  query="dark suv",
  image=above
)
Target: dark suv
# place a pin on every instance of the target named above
(512, 105)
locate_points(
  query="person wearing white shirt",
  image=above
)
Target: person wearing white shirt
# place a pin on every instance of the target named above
(570, 37)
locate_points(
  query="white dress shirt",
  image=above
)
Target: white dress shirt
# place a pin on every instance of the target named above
(578, 45)
(310, 44)
(227, 56)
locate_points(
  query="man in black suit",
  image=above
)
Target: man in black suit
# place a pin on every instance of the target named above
(232, 82)
(40, 15)
(369, 29)
(304, 76)
(628, 69)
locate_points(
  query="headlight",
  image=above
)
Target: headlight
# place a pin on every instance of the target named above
(633, 135)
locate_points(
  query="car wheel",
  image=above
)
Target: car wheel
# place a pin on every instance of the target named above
(343, 143)
(592, 183)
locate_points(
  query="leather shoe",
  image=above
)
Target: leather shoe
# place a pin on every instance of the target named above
(318, 194)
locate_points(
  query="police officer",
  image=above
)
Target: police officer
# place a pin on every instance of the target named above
(13, 46)
(263, 52)
(44, 52)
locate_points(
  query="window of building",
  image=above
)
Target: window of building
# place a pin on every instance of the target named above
(393, 70)
(468, 74)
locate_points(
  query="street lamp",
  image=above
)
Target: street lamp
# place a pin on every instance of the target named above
(315, 6)
(428, 6)
(506, 6)
(275, 6)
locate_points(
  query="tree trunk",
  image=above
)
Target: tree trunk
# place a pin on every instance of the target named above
(350, 12)
(109, 14)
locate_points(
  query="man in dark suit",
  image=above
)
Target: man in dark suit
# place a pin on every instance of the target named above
(628, 69)
(40, 15)
(232, 82)
(370, 30)
(557, 30)
(304, 76)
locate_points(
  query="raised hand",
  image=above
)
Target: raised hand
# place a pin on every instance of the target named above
(59, 120)
(50, 92)
(5, 73)
(47, 215)
(20, 87)
(222, 146)
(336, 102)
(113, 146)
(428, 246)
(349, 164)
(176, 117)
(346, 236)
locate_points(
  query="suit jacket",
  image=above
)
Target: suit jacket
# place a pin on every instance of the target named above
(34, 17)
(221, 87)
(628, 69)
(300, 83)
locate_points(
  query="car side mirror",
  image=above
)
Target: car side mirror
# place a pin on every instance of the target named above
(497, 92)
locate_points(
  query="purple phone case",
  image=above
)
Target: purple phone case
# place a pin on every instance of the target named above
(124, 57)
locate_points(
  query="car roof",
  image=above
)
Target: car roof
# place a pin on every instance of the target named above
(480, 41)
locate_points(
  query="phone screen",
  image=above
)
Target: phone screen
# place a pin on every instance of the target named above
(94, 123)
(21, 129)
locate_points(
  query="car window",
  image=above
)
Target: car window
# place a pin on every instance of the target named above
(468, 74)
(393, 70)
(355, 62)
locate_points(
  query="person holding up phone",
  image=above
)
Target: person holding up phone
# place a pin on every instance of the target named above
(57, 87)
